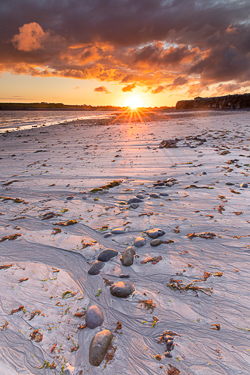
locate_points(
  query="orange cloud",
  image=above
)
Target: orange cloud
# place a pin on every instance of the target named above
(102, 89)
(128, 87)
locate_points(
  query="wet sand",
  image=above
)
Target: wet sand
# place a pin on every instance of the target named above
(198, 286)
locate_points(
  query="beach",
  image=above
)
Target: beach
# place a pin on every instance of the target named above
(72, 190)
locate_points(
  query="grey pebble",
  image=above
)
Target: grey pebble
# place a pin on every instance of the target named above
(99, 346)
(244, 185)
(134, 206)
(154, 195)
(164, 194)
(140, 196)
(154, 233)
(95, 267)
(122, 289)
(140, 241)
(156, 242)
(134, 200)
(229, 183)
(94, 317)
(117, 231)
(107, 235)
(106, 255)
(124, 276)
(203, 173)
(69, 198)
(127, 258)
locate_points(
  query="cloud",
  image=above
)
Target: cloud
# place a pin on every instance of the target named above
(102, 89)
(128, 88)
(150, 42)
(158, 89)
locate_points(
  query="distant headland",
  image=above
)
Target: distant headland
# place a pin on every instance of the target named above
(219, 102)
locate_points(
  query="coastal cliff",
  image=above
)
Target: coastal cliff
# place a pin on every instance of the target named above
(220, 102)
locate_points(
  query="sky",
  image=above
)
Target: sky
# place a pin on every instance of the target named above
(109, 52)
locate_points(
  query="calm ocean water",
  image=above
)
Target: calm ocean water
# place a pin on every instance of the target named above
(18, 120)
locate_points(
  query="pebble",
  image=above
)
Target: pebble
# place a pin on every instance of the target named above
(244, 185)
(134, 205)
(156, 242)
(164, 194)
(127, 258)
(139, 242)
(84, 198)
(106, 235)
(122, 289)
(94, 317)
(154, 233)
(68, 369)
(203, 173)
(69, 198)
(229, 183)
(117, 231)
(99, 346)
(140, 196)
(154, 195)
(106, 255)
(134, 200)
(95, 267)
(124, 275)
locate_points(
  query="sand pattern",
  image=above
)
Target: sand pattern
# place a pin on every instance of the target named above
(70, 191)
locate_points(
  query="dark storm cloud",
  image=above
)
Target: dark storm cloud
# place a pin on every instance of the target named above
(150, 42)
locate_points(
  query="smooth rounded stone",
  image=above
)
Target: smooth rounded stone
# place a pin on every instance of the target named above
(122, 203)
(124, 276)
(140, 196)
(203, 173)
(99, 346)
(244, 185)
(134, 206)
(127, 258)
(156, 242)
(229, 183)
(69, 198)
(106, 235)
(84, 198)
(122, 289)
(164, 194)
(117, 231)
(106, 255)
(94, 317)
(154, 233)
(95, 267)
(154, 195)
(134, 200)
(139, 242)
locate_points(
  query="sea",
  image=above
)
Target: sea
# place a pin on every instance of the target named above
(20, 120)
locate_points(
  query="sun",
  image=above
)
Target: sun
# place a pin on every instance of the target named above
(134, 102)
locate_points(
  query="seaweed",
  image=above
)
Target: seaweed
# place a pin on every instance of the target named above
(108, 186)
(207, 235)
(148, 304)
(178, 285)
(11, 237)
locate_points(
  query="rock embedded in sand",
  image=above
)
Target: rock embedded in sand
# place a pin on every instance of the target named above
(99, 346)
(135, 200)
(94, 317)
(117, 231)
(127, 258)
(106, 255)
(154, 233)
(140, 196)
(154, 195)
(134, 205)
(122, 289)
(95, 267)
(107, 235)
(164, 194)
(139, 242)
(244, 185)
(156, 242)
